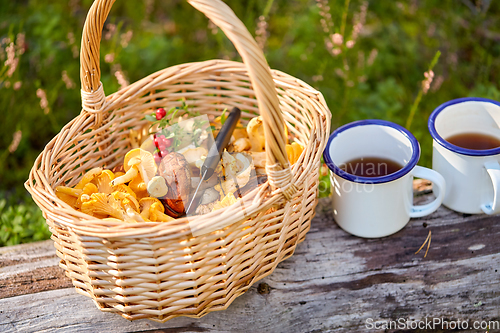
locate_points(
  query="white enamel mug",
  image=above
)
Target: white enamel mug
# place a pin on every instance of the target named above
(472, 176)
(374, 207)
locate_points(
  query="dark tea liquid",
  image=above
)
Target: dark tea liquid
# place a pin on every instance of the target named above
(370, 166)
(476, 141)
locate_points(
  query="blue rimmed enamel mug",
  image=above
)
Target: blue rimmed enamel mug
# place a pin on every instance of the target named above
(374, 207)
(472, 176)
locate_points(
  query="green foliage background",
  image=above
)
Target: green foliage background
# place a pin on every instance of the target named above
(404, 36)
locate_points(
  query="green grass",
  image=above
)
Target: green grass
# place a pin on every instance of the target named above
(380, 76)
(21, 221)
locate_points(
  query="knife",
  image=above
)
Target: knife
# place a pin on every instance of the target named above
(215, 153)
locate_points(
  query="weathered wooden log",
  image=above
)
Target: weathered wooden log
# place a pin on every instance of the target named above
(334, 282)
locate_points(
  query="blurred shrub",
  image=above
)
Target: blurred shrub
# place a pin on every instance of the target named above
(21, 221)
(368, 58)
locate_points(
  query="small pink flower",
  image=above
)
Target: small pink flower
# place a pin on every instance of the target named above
(11, 61)
(337, 39)
(317, 78)
(326, 18)
(109, 58)
(111, 28)
(125, 38)
(212, 27)
(336, 51)
(340, 72)
(426, 84)
(359, 20)
(67, 80)
(429, 74)
(44, 103)
(16, 139)
(261, 32)
(120, 77)
(437, 83)
(17, 85)
(20, 43)
(71, 38)
(349, 44)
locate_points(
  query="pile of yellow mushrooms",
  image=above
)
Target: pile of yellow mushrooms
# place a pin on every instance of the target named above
(131, 195)
(120, 195)
(251, 140)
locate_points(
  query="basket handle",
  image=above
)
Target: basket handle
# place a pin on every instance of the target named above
(93, 97)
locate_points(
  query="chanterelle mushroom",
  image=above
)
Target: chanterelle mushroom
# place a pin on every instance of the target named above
(125, 189)
(139, 186)
(293, 152)
(99, 204)
(259, 158)
(87, 178)
(129, 205)
(137, 161)
(242, 144)
(68, 191)
(255, 130)
(126, 200)
(239, 132)
(68, 194)
(103, 181)
(128, 213)
(156, 213)
(128, 176)
(145, 204)
(87, 191)
(228, 200)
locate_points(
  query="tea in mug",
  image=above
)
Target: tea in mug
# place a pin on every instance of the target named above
(370, 166)
(475, 141)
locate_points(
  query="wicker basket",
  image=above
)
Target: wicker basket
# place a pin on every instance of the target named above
(157, 270)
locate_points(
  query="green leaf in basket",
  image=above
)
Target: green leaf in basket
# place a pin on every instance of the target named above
(171, 110)
(223, 117)
(150, 118)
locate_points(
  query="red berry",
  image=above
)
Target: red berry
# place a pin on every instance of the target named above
(167, 142)
(157, 159)
(160, 113)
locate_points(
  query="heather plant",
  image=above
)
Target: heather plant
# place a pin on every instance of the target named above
(367, 57)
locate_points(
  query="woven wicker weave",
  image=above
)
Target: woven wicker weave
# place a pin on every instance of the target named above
(160, 270)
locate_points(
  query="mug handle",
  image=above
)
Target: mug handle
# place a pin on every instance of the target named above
(437, 180)
(493, 169)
